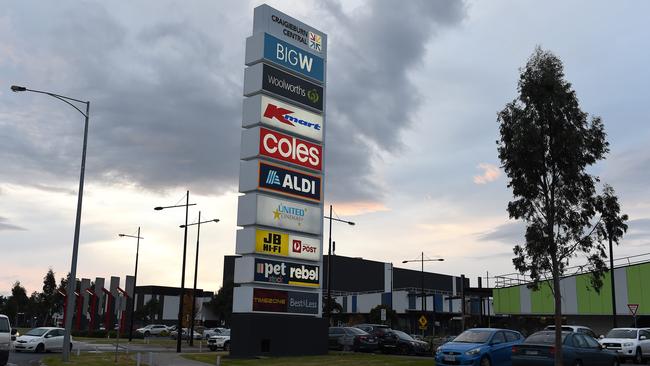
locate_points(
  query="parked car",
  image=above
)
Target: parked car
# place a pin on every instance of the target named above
(577, 349)
(209, 332)
(628, 343)
(407, 345)
(479, 346)
(386, 339)
(351, 339)
(41, 339)
(574, 328)
(7, 335)
(152, 329)
(184, 334)
(220, 341)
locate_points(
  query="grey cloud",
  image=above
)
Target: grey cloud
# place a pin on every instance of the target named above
(166, 93)
(510, 233)
(6, 226)
(637, 229)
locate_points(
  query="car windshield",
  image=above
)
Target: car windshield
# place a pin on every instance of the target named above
(403, 335)
(544, 338)
(622, 333)
(474, 336)
(37, 332)
(225, 332)
(352, 330)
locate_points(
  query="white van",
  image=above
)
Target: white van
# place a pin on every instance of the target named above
(7, 335)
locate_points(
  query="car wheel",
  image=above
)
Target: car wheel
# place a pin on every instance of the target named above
(404, 350)
(638, 356)
(40, 348)
(485, 361)
(578, 363)
(226, 347)
(212, 348)
(615, 362)
(147, 334)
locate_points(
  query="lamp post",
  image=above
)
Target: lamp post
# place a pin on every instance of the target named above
(75, 245)
(329, 263)
(135, 279)
(182, 294)
(196, 268)
(424, 302)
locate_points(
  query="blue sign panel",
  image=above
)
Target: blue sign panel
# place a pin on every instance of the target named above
(289, 181)
(293, 58)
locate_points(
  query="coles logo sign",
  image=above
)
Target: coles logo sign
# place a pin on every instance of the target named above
(290, 149)
(286, 245)
(291, 118)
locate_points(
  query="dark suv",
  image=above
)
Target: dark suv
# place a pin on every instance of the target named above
(387, 340)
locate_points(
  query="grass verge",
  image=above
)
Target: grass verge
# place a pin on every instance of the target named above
(336, 359)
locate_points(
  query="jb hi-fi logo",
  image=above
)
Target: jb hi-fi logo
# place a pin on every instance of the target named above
(298, 247)
(285, 116)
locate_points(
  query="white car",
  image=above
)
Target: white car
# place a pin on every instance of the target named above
(574, 328)
(629, 343)
(220, 341)
(212, 332)
(6, 336)
(152, 329)
(41, 340)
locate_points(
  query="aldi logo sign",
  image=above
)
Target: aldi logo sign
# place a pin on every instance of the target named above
(291, 182)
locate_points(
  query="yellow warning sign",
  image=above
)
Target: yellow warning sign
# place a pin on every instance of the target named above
(423, 322)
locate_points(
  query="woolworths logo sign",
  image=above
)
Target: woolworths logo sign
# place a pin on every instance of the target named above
(291, 87)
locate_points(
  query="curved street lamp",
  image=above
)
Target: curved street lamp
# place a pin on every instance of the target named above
(75, 246)
(424, 302)
(328, 307)
(135, 278)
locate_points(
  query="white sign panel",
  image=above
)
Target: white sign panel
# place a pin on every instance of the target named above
(284, 116)
(257, 209)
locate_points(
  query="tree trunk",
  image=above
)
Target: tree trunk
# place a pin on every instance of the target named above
(557, 294)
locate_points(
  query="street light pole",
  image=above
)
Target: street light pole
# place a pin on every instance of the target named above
(196, 269)
(424, 302)
(135, 280)
(72, 280)
(328, 306)
(182, 292)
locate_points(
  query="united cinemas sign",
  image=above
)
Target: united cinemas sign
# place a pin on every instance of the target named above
(261, 141)
(278, 179)
(284, 116)
(265, 77)
(278, 243)
(259, 209)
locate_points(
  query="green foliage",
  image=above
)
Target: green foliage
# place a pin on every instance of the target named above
(148, 312)
(375, 315)
(221, 303)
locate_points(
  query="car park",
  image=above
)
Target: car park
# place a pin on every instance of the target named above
(479, 346)
(7, 335)
(351, 339)
(221, 341)
(628, 343)
(578, 349)
(184, 334)
(152, 329)
(386, 339)
(407, 345)
(41, 339)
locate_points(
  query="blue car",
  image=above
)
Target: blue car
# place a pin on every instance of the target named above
(479, 347)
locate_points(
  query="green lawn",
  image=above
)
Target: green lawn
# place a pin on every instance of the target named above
(162, 341)
(337, 359)
(90, 359)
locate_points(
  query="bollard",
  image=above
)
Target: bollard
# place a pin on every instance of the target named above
(200, 346)
(218, 360)
(150, 358)
(127, 349)
(78, 351)
(137, 360)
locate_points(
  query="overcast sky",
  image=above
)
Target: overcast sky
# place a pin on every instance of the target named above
(412, 94)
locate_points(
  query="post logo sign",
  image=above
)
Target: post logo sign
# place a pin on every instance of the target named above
(293, 58)
(286, 273)
(290, 118)
(280, 301)
(291, 87)
(290, 149)
(286, 245)
(291, 182)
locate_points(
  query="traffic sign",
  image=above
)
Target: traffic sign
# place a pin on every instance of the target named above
(423, 322)
(633, 308)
